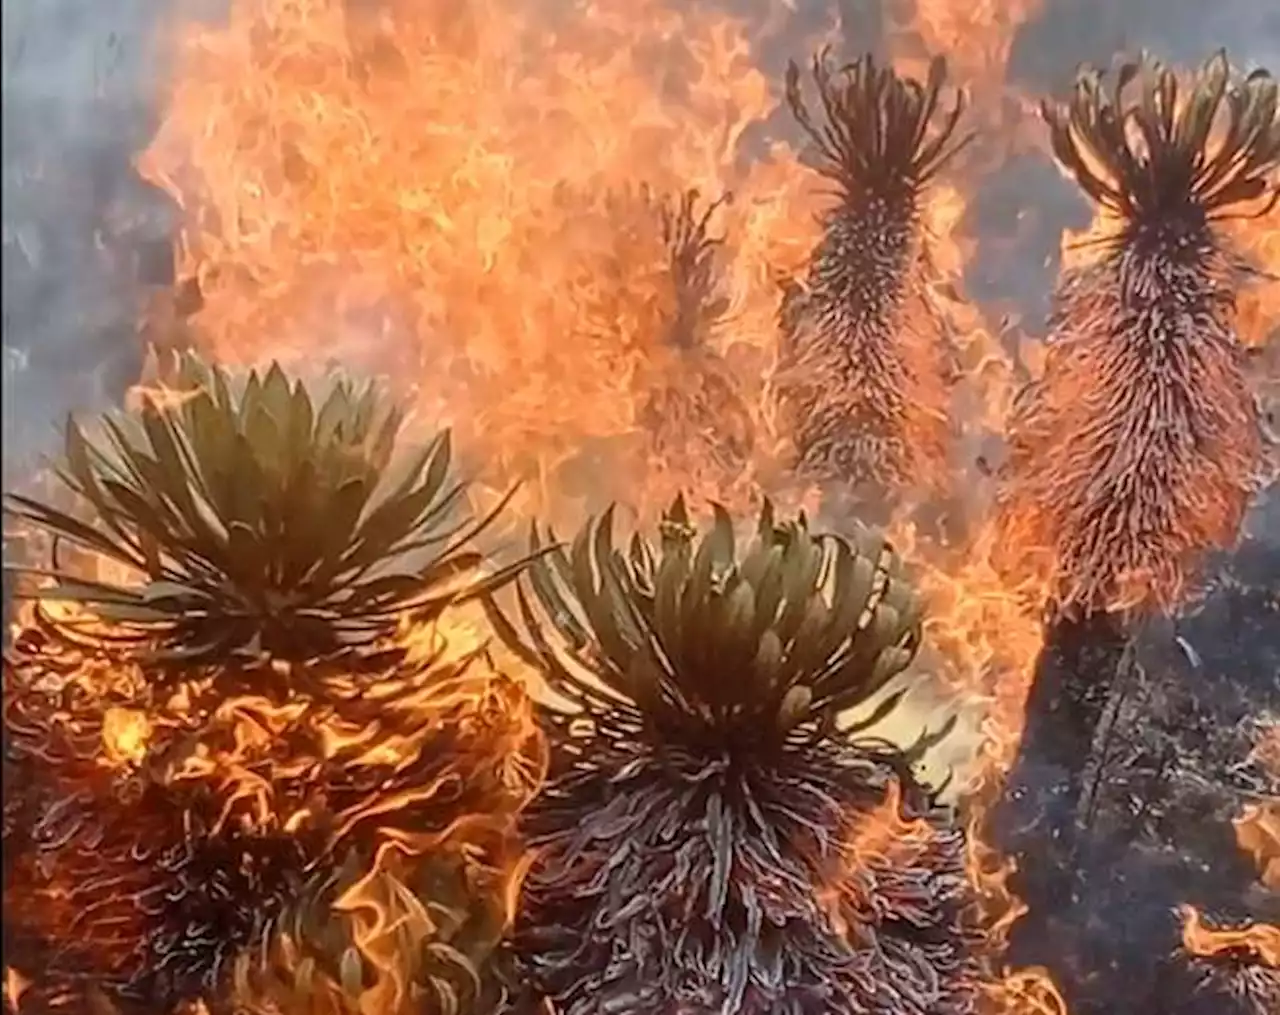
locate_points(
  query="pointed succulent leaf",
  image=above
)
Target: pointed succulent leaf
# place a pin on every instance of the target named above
(721, 645)
(241, 491)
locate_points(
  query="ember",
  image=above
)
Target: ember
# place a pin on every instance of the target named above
(124, 735)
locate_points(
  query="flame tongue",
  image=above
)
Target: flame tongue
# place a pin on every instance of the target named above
(1258, 833)
(1257, 942)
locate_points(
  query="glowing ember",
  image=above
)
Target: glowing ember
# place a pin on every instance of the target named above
(15, 985)
(125, 735)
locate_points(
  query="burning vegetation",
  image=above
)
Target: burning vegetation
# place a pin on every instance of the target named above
(1239, 962)
(1140, 447)
(283, 737)
(706, 804)
(257, 762)
(865, 368)
(1132, 458)
(703, 429)
(1240, 958)
(661, 298)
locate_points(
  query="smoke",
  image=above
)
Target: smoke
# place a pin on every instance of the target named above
(83, 235)
(1046, 53)
(1181, 31)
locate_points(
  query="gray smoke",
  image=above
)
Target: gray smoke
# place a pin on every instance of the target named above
(82, 235)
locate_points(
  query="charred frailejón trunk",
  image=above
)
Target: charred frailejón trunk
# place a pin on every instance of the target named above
(1138, 450)
(1079, 676)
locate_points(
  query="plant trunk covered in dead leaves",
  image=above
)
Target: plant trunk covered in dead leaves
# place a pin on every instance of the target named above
(865, 368)
(701, 429)
(256, 771)
(713, 836)
(1140, 447)
(1132, 457)
(660, 302)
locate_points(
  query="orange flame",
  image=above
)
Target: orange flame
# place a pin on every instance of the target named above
(428, 192)
(1258, 825)
(884, 837)
(977, 37)
(15, 985)
(1261, 941)
(295, 741)
(1258, 833)
(378, 188)
(125, 733)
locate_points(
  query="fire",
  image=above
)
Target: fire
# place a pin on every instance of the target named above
(1258, 941)
(1028, 992)
(430, 191)
(1258, 834)
(1257, 830)
(15, 985)
(1259, 305)
(1257, 827)
(378, 187)
(125, 733)
(987, 631)
(977, 37)
(287, 769)
(883, 836)
(435, 189)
